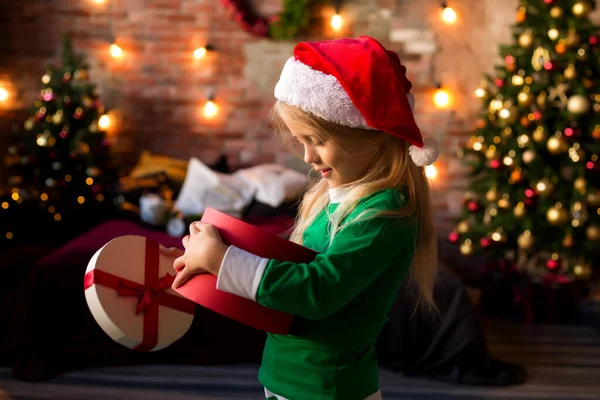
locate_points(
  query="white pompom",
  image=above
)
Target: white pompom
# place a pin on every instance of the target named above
(411, 101)
(427, 154)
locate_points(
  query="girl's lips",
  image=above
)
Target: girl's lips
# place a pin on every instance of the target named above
(325, 172)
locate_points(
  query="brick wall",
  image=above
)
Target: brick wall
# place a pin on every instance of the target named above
(157, 89)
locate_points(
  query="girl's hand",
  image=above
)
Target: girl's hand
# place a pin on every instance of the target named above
(204, 252)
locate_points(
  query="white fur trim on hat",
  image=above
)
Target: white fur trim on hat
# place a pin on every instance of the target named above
(320, 94)
(427, 154)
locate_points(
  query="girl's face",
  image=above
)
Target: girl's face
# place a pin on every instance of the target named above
(335, 164)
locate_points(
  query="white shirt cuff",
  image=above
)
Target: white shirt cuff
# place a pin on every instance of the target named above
(241, 273)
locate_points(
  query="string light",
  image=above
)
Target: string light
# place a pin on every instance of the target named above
(98, 1)
(441, 97)
(448, 14)
(337, 22)
(210, 108)
(104, 122)
(431, 172)
(116, 51)
(201, 52)
(3, 94)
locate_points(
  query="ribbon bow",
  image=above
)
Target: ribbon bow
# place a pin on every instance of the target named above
(144, 293)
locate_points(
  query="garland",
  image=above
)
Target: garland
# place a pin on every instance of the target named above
(294, 18)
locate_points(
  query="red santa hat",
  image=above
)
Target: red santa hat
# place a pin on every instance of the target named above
(355, 83)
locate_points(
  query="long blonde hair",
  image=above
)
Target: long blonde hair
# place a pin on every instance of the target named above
(391, 168)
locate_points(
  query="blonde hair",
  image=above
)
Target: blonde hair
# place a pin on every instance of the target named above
(391, 168)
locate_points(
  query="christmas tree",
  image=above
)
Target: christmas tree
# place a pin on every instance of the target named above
(534, 195)
(62, 163)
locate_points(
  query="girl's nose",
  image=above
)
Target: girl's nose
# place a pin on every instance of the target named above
(310, 156)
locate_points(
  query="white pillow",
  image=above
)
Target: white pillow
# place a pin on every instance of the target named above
(204, 187)
(274, 183)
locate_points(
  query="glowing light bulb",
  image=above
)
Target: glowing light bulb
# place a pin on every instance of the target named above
(210, 109)
(200, 52)
(480, 93)
(449, 15)
(116, 51)
(3, 94)
(441, 98)
(337, 22)
(431, 172)
(104, 122)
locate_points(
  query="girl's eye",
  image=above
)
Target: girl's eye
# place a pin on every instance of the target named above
(318, 143)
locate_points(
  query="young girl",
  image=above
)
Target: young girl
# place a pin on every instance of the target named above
(347, 102)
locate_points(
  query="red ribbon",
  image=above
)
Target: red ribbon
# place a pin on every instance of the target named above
(150, 295)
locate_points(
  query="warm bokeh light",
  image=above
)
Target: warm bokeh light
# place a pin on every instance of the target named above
(441, 98)
(210, 109)
(449, 15)
(337, 22)
(480, 93)
(4, 94)
(116, 51)
(431, 172)
(99, 1)
(104, 122)
(200, 52)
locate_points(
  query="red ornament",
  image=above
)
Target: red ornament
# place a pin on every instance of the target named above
(592, 166)
(473, 206)
(593, 40)
(63, 134)
(453, 237)
(528, 201)
(529, 193)
(553, 264)
(495, 164)
(569, 132)
(499, 82)
(548, 1)
(537, 115)
(484, 242)
(549, 65)
(509, 59)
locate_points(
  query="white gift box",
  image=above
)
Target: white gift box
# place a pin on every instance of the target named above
(128, 291)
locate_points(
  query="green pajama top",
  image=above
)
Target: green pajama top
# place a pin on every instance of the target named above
(340, 300)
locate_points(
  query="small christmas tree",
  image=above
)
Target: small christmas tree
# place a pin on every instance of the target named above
(62, 163)
(534, 196)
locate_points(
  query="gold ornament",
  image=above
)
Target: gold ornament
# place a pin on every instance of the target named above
(491, 153)
(528, 156)
(526, 240)
(560, 47)
(557, 215)
(578, 104)
(560, 92)
(592, 232)
(504, 203)
(556, 12)
(540, 57)
(553, 33)
(581, 9)
(520, 210)
(580, 184)
(525, 98)
(593, 198)
(526, 39)
(466, 248)
(579, 214)
(539, 135)
(462, 227)
(568, 241)
(572, 38)
(582, 270)
(492, 195)
(544, 187)
(570, 72)
(542, 99)
(557, 145)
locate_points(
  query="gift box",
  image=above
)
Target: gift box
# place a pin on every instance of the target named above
(128, 291)
(202, 288)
